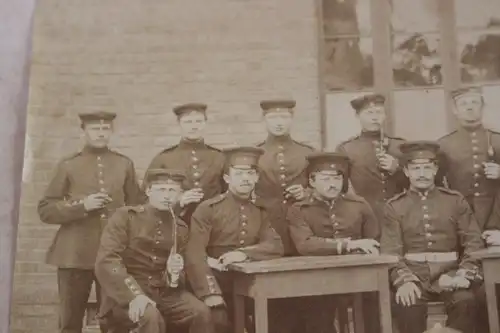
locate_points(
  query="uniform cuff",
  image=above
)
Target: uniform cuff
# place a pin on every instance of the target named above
(133, 287)
(405, 278)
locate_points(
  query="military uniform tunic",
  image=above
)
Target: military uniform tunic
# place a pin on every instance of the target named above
(223, 224)
(203, 165)
(315, 225)
(465, 151)
(283, 164)
(88, 172)
(368, 180)
(439, 221)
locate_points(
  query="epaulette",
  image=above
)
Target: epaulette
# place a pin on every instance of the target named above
(303, 144)
(305, 202)
(448, 191)
(120, 154)
(447, 135)
(169, 148)
(70, 156)
(493, 131)
(216, 199)
(353, 197)
(260, 144)
(213, 148)
(135, 209)
(395, 138)
(352, 138)
(397, 197)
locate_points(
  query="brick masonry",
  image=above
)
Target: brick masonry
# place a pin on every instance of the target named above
(139, 58)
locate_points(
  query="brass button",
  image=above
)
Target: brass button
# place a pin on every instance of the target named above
(476, 194)
(193, 152)
(98, 158)
(476, 166)
(429, 244)
(242, 242)
(196, 183)
(195, 159)
(426, 216)
(427, 225)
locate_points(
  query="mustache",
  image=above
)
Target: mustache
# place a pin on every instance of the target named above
(422, 179)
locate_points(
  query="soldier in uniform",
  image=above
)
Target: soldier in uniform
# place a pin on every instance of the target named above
(140, 263)
(433, 231)
(85, 190)
(282, 179)
(204, 163)
(471, 160)
(375, 173)
(227, 229)
(332, 221)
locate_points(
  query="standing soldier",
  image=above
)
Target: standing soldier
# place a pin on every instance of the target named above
(471, 164)
(283, 179)
(331, 222)
(204, 164)
(227, 229)
(433, 231)
(85, 191)
(375, 172)
(140, 265)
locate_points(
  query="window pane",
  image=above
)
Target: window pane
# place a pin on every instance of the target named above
(416, 61)
(420, 114)
(479, 56)
(349, 63)
(414, 16)
(341, 121)
(492, 107)
(477, 13)
(346, 17)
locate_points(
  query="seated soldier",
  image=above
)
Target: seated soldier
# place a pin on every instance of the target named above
(227, 229)
(433, 231)
(331, 221)
(140, 261)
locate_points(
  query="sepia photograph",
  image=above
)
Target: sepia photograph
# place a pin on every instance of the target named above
(251, 166)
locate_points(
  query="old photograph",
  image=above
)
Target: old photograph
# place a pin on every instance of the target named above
(260, 166)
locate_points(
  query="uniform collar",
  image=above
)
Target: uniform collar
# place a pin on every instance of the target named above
(478, 128)
(163, 215)
(95, 151)
(315, 198)
(191, 144)
(425, 194)
(279, 140)
(233, 197)
(370, 134)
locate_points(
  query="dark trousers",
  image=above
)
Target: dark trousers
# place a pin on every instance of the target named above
(74, 289)
(461, 309)
(175, 312)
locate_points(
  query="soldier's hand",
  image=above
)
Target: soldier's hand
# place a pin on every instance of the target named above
(460, 282)
(408, 294)
(296, 191)
(369, 246)
(446, 282)
(138, 306)
(213, 301)
(175, 263)
(388, 162)
(191, 196)
(492, 237)
(491, 170)
(232, 257)
(96, 201)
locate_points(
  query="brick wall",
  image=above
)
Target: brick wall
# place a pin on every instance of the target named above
(139, 58)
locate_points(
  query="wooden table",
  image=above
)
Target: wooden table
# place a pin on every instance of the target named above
(491, 270)
(310, 276)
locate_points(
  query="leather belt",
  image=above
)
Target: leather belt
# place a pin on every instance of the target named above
(432, 256)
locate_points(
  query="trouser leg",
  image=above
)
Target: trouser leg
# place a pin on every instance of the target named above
(410, 319)
(461, 309)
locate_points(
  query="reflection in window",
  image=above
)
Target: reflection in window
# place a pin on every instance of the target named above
(477, 13)
(414, 16)
(416, 61)
(343, 17)
(349, 63)
(479, 56)
(420, 114)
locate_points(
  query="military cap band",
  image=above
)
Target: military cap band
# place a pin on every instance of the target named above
(466, 91)
(185, 108)
(328, 161)
(243, 156)
(273, 105)
(98, 116)
(419, 150)
(366, 101)
(164, 176)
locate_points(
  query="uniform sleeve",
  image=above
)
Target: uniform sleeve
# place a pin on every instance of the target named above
(392, 243)
(109, 268)
(371, 225)
(306, 242)
(269, 246)
(55, 206)
(133, 193)
(199, 274)
(470, 240)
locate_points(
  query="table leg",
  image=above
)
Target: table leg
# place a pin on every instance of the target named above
(359, 318)
(261, 313)
(384, 300)
(491, 298)
(239, 313)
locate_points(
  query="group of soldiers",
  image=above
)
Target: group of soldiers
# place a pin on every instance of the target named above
(159, 252)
